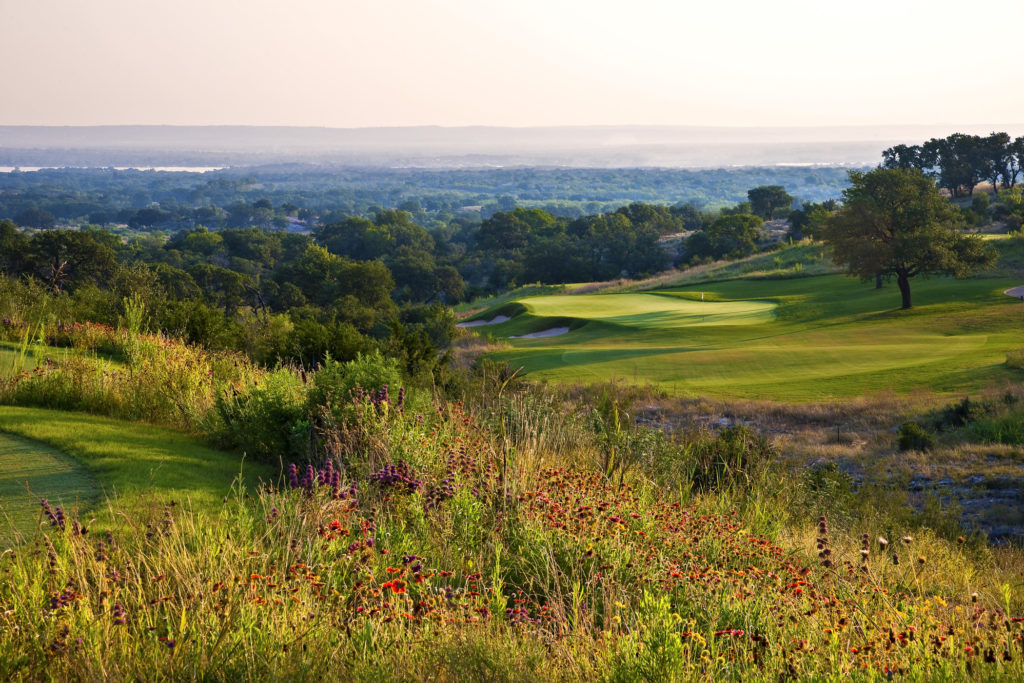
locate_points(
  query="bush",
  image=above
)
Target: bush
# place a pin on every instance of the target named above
(914, 437)
(1015, 359)
(733, 457)
(268, 422)
(1005, 429)
(335, 383)
(963, 413)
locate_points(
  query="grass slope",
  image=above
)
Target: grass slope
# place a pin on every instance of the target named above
(30, 470)
(799, 339)
(129, 460)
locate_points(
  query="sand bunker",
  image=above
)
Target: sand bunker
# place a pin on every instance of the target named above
(478, 323)
(1017, 292)
(553, 332)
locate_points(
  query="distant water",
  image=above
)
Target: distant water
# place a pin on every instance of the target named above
(166, 169)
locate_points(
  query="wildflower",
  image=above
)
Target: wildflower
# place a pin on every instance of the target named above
(882, 543)
(907, 540)
(117, 612)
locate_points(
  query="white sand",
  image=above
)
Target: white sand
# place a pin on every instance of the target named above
(553, 332)
(1017, 292)
(478, 323)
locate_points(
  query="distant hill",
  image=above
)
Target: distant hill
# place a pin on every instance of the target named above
(465, 147)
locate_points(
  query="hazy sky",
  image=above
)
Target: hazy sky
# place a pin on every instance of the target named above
(353, 63)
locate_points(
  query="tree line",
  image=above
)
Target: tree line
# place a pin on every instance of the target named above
(960, 162)
(275, 295)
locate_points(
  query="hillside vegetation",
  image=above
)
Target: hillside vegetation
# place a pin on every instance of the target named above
(517, 535)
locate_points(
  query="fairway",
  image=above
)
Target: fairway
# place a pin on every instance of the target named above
(799, 339)
(128, 460)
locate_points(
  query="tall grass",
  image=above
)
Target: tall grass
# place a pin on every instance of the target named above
(425, 563)
(517, 535)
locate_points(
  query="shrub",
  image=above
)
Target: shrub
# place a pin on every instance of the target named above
(733, 457)
(1015, 359)
(963, 413)
(1005, 429)
(268, 422)
(914, 437)
(335, 383)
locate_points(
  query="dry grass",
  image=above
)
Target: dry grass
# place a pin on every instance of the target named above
(467, 347)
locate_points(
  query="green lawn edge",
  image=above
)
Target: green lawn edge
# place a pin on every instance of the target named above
(133, 461)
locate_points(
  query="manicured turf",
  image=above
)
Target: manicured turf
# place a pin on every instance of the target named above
(30, 470)
(798, 339)
(130, 460)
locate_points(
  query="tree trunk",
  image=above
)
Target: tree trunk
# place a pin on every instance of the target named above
(878, 280)
(904, 284)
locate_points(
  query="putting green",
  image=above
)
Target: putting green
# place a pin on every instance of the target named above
(800, 339)
(651, 310)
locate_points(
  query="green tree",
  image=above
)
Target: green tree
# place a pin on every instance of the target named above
(766, 198)
(894, 223)
(13, 247)
(906, 157)
(735, 236)
(996, 157)
(63, 258)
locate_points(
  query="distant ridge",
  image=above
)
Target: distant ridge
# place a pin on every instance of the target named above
(482, 146)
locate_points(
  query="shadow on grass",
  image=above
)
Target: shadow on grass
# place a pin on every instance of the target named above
(127, 459)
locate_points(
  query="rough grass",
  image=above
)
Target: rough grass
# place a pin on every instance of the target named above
(482, 566)
(830, 337)
(129, 460)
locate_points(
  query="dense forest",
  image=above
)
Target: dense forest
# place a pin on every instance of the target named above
(279, 196)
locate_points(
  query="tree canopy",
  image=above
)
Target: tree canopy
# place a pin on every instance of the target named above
(959, 161)
(764, 200)
(895, 223)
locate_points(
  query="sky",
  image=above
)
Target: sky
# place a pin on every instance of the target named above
(363, 63)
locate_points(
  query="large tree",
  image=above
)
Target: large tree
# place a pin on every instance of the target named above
(766, 198)
(895, 223)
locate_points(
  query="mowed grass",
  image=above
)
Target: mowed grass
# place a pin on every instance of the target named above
(798, 339)
(13, 358)
(125, 460)
(30, 470)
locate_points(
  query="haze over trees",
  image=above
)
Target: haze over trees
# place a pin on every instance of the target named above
(895, 223)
